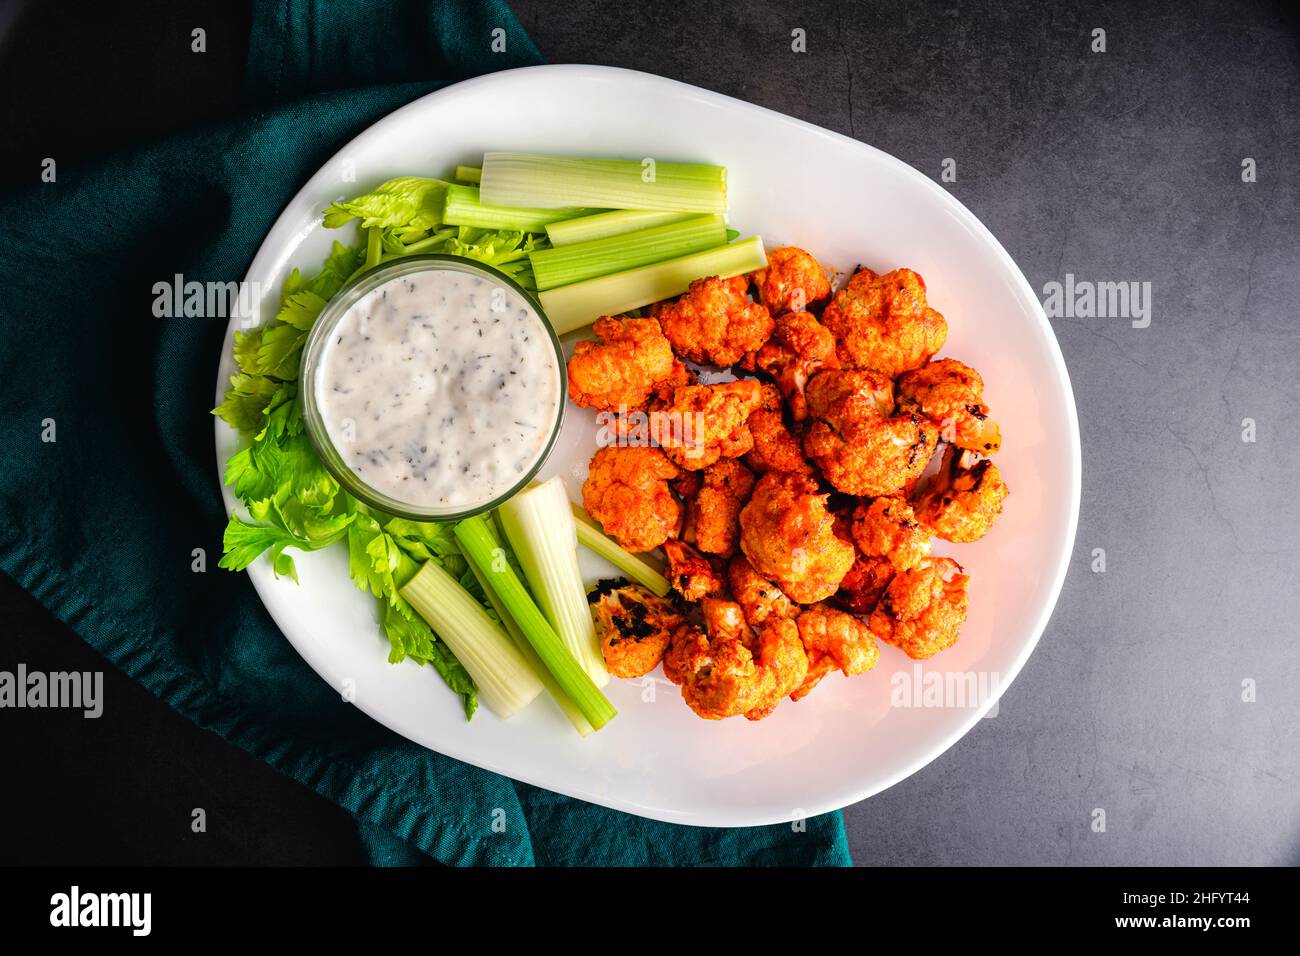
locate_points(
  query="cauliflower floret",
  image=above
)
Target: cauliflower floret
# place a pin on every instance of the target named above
(923, 608)
(851, 394)
(792, 281)
(952, 396)
(788, 536)
(728, 669)
(883, 323)
(693, 575)
(863, 586)
(834, 640)
(860, 448)
(760, 599)
(713, 513)
(632, 361)
(887, 527)
(963, 498)
(714, 323)
(704, 423)
(868, 576)
(634, 627)
(776, 448)
(799, 348)
(627, 492)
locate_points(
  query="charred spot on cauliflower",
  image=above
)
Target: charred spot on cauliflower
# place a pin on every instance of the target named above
(634, 626)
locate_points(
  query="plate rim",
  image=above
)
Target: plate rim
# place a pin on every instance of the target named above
(282, 230)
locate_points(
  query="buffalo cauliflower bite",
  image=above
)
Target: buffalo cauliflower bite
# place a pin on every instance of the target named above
(865, 583)
(781, 654)
(728, 669)
(714, 323)
(869, 574)
(923, 608)
(788, 536)
(704, 423)
(688, 485)
(952, 396)
(799, 348)
(627, 492)
(963, 498)
(776, 448)
(759, 598)
(634, 627)
(886, 527)
(713, 512)
(693, 575)
(852, 394)
(834, 640)
(882, 322)
(632, 361)
(860, 448)
(792, 281)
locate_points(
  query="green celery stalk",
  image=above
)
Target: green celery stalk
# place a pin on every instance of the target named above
(549, 182)
(506, 683)
(468, 174)
(574, 306)
(635, 568)
(639, 568)
(538, 523)
(428, 242)
(463, 208)
(571, 710)
(603, 225)
(480, 549)
(599, 257)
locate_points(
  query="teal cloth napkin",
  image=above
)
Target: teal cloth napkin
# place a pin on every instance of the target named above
(101, 523)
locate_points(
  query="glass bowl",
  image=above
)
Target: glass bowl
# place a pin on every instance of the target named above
(314, 348)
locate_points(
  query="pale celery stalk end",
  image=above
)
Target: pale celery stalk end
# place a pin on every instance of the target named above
(539, 525)
(506, 683)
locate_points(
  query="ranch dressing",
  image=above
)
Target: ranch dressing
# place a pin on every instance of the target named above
(439, 388)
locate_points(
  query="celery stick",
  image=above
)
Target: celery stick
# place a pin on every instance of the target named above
(637, 567)
(539, 526)
(571, 710)
(605, 224)
(374, 247)
(429, 242)
(573, 306)
(548, 182)
(468, 174)
(480, 549)
(464, 209)
(599, 257)
(506, 684)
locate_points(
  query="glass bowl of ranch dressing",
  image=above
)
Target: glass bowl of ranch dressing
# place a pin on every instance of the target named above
(433, 388)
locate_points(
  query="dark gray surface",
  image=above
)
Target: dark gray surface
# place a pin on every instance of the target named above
(1115, 166)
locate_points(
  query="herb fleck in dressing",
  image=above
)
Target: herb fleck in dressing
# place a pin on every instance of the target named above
(439, 388)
